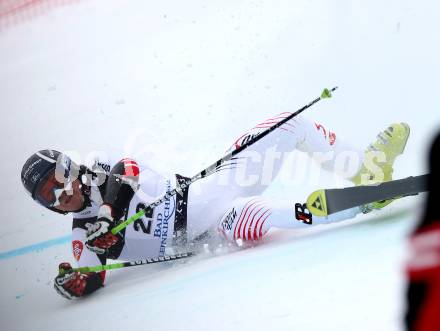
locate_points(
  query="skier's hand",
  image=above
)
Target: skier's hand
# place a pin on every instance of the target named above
(100, 238)
(73, 284)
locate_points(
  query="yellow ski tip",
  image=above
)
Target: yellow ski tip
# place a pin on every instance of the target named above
(316, 203)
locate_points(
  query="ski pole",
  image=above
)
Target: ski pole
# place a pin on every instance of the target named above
(113, 266)
(211, 169)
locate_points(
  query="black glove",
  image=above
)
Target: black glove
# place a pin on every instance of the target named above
(73, 284)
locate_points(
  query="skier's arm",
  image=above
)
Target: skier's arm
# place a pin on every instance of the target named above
(71, 284)
(120, 189)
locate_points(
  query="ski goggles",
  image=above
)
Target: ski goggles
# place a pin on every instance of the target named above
(49, 190)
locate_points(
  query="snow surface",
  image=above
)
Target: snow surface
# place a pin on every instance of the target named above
(183, 79)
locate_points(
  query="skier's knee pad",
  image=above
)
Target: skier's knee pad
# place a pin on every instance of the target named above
(245, 220)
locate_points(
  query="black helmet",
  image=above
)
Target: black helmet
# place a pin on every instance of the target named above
(37, 168)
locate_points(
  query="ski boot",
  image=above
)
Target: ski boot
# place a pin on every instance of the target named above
(380, 157)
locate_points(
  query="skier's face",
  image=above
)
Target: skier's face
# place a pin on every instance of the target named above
(66, 197)
(73, 200)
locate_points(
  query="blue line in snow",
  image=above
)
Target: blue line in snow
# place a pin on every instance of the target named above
(35, 247)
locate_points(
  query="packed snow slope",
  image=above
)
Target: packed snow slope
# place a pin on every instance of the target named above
(176, 82)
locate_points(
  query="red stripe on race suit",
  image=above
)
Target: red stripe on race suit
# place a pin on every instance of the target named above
(245, 209)
(253, 234)
(257, 217)
(260, 233)
(282, 116)
(267, 124)
(18, 7)
(241, 214)
(332, 138)
(245, 227)
(281, 128)
(331, 135)
(324, 130)
(237, 145)
(241, 235)
(278, 119)
(240, 221)
(271, 123)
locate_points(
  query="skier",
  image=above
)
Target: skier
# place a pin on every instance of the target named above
(103, 192)
(423, 266)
